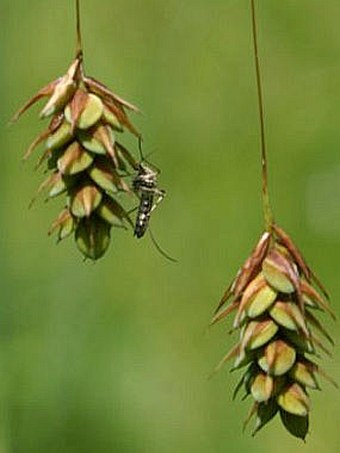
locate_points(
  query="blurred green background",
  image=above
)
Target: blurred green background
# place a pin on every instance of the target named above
(114, 356)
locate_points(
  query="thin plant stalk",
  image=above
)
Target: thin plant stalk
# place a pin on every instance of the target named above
(79, 44)
(267, 210)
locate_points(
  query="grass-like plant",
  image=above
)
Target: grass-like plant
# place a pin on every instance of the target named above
(84, 160)
(276, 297)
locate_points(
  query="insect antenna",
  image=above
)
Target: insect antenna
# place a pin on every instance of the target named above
(145, 158)
(140, 148)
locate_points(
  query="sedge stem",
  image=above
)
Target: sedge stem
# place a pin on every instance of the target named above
(267, 211)
(79, 45)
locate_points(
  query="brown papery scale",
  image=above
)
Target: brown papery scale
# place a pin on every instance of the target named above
(83, 157)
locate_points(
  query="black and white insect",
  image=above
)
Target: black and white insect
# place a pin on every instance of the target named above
(145, 186)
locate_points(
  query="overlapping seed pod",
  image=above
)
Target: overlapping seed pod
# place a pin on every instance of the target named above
(275, 297)
(84, 160)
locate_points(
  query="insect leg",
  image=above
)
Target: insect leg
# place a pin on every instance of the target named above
(160, 197)
(159, 248)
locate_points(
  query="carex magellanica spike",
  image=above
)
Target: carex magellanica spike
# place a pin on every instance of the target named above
(85, 161)
(276, 299)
